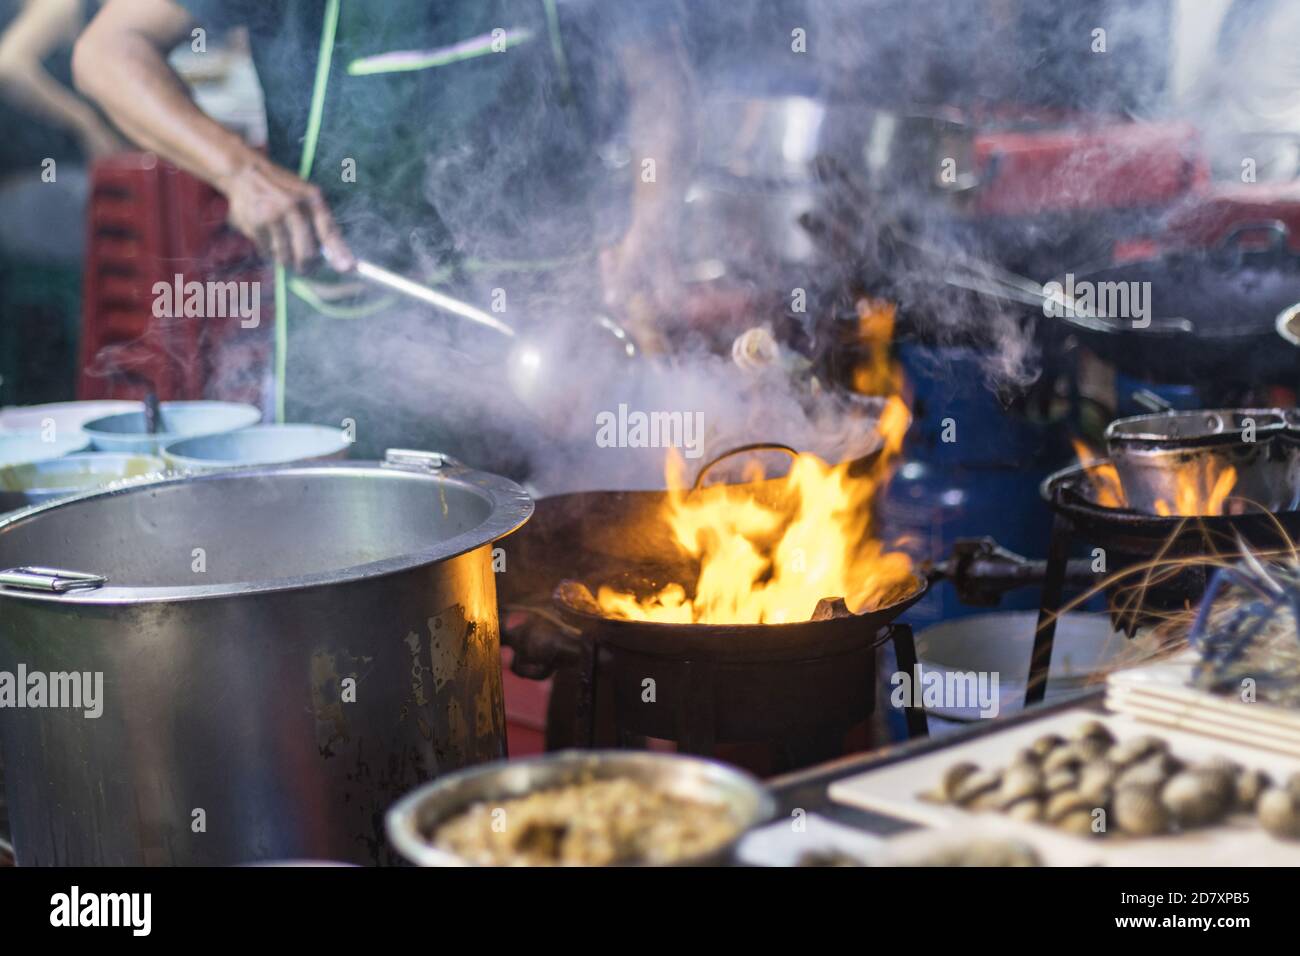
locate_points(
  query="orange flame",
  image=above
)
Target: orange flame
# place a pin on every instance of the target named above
(769, 552)
(1200, 488)
(876, 373)
(1105, 479)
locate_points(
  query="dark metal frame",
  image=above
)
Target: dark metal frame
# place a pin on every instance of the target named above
(694, 717)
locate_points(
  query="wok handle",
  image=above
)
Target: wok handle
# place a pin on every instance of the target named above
(1275, 229)
(411, 459)
(740, 450)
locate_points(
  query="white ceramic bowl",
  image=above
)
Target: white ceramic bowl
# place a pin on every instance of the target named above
(125, 432)
(68, 417)
(25, 448)
(257, 445)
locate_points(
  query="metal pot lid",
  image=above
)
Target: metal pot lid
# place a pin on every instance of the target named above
(407, 504)
(1170, 430)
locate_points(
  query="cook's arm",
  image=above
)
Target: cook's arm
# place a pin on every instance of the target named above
(41, 27)
(120, 61)
(659, 128)
(658, 124)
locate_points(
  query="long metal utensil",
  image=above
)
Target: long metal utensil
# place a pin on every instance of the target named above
(400, 284)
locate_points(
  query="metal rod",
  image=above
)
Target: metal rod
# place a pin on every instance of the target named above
(422, 293)
(918, 724)
(1040, 659)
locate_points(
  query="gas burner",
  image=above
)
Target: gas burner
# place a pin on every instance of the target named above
(1161, 553)
(798, 688)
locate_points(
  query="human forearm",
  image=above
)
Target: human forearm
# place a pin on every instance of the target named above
(658, 128)
(121, 62)
(29, 87)
(129, 77)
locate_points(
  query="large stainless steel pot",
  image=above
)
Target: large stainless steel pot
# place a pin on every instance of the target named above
(230, 615)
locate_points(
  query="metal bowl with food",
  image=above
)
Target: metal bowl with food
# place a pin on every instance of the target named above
(581, 808)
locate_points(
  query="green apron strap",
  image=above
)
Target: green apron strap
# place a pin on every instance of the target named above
(557, 45)
(323, 61)
(329, 30)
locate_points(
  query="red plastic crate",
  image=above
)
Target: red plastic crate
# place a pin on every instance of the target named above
(1104, 166)
(147, 222)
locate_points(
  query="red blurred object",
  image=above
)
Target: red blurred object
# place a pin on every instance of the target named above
(526, 703)
(1111, 165)
(1207, 220)
(147, 223)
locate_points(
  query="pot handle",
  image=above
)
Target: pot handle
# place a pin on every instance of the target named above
(411, 459)
(740, 450)
(49, 580)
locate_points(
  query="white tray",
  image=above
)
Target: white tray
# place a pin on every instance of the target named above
(893, 790)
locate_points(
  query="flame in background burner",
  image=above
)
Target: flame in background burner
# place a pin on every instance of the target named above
(1106, 490)
(877, 372)
(769, 551)
(1201, 487)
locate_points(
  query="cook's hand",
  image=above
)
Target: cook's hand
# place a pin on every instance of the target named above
(285, 216)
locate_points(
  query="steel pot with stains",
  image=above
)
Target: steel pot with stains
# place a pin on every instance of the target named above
(1209, 461)
(255, 663)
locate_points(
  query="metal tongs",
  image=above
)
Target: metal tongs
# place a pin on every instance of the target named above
(849, 201)
(991, 280)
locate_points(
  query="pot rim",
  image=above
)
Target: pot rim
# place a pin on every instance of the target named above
(510, 508)
(1119, 438)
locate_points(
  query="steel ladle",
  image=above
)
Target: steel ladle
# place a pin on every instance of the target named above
(534, 365)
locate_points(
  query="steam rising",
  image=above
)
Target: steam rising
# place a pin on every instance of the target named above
(863, 58)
